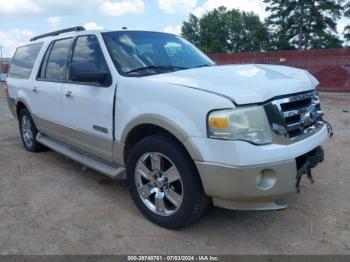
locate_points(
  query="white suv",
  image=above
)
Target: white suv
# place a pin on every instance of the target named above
(153, 108)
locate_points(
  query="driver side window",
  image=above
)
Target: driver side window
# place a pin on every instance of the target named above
(88, 57)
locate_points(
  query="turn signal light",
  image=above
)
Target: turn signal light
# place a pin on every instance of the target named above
(218, 122)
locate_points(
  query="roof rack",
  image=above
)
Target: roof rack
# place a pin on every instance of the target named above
(67, 30)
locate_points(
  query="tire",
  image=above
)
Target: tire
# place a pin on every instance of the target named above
(169, 170)
(29, 132)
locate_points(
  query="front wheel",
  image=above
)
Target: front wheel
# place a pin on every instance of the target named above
(164, 182)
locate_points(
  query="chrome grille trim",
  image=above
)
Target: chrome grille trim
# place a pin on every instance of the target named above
(294, 117)
(291, 113)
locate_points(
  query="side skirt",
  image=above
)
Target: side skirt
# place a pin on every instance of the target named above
(108, 169)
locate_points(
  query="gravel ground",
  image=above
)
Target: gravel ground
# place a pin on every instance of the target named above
(49, 205)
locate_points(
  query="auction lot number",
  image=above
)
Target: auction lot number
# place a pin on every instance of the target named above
(173, 258)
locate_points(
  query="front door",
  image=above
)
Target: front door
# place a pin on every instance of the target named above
(87, 107)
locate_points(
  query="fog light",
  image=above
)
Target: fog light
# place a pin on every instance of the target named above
(266, 179)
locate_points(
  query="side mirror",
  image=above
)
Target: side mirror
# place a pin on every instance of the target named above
(88, 73)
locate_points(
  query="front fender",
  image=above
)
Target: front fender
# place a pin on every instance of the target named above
(167, 124)
(182, 111)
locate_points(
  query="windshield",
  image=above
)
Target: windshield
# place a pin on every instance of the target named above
(138, 53)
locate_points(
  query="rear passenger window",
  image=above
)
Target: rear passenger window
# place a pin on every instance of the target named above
(23, 61)
(53, 67)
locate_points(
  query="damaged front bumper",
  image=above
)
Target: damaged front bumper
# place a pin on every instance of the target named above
(257, 187)
(306, 162)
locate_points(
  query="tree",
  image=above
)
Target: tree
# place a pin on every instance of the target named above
(226, 31)
(347, 14)
(213, 31)
(347, 33)
(246, 33)
(304, 24)
(191, 30)
(278, 24)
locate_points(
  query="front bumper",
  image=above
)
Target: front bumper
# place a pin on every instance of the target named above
(254, 187)
(243, 154)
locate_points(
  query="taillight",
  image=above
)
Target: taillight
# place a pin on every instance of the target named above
(6, 90)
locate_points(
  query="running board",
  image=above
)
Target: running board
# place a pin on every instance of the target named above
(115, 172)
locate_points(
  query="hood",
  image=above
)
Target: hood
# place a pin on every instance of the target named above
(243, 84)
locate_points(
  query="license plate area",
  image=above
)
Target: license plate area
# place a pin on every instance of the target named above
(306, 162)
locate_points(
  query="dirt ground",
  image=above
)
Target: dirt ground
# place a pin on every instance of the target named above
(49, 205)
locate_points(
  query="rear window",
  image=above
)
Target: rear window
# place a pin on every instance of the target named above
(23, 61)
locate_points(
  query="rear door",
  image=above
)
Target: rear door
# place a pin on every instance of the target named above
(87, 107)
(47, 89)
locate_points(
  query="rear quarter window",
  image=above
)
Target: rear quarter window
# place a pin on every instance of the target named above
(23, 61)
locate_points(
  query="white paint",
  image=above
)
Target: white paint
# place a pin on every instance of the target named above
(180, 99)
(245, 84)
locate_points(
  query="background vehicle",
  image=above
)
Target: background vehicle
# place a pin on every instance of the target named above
(154, 108)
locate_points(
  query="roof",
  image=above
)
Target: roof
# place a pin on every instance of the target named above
(78, 29)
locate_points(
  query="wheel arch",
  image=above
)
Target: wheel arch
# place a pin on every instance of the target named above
(20, 104)
(148, 125)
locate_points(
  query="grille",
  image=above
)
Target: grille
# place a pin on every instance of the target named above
(295, 116)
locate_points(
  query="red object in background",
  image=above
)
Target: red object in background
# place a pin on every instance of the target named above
(330, 66)
(5, 68)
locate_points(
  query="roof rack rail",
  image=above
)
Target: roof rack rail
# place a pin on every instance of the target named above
(71, 29)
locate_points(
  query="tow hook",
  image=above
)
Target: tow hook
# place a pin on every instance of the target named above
(329, 128)
(309, 161)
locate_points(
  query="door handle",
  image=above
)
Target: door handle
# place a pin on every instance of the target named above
(35, 90)
(68, 94)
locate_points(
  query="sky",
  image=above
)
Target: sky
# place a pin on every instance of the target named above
(22, 19)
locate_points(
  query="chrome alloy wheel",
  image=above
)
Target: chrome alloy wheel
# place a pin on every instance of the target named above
(159, 183)
(27, 133)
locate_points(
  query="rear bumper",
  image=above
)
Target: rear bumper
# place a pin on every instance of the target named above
(250, 188)
(12, 106)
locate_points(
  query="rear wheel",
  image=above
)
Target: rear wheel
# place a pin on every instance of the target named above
(29, 132)
(164, 182)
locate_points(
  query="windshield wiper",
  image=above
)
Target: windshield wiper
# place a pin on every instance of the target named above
(205, 65)
(156, 68)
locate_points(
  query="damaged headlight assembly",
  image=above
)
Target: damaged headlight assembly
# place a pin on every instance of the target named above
(246, 124)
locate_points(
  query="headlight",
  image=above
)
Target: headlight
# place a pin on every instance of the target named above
(248, 124)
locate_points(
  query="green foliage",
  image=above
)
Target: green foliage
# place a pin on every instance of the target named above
(304, 24)
(214, 29)
(278, 24)
(226, 31)
(191, 30)
(347, 28)
(252, 35)
(292, 24)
